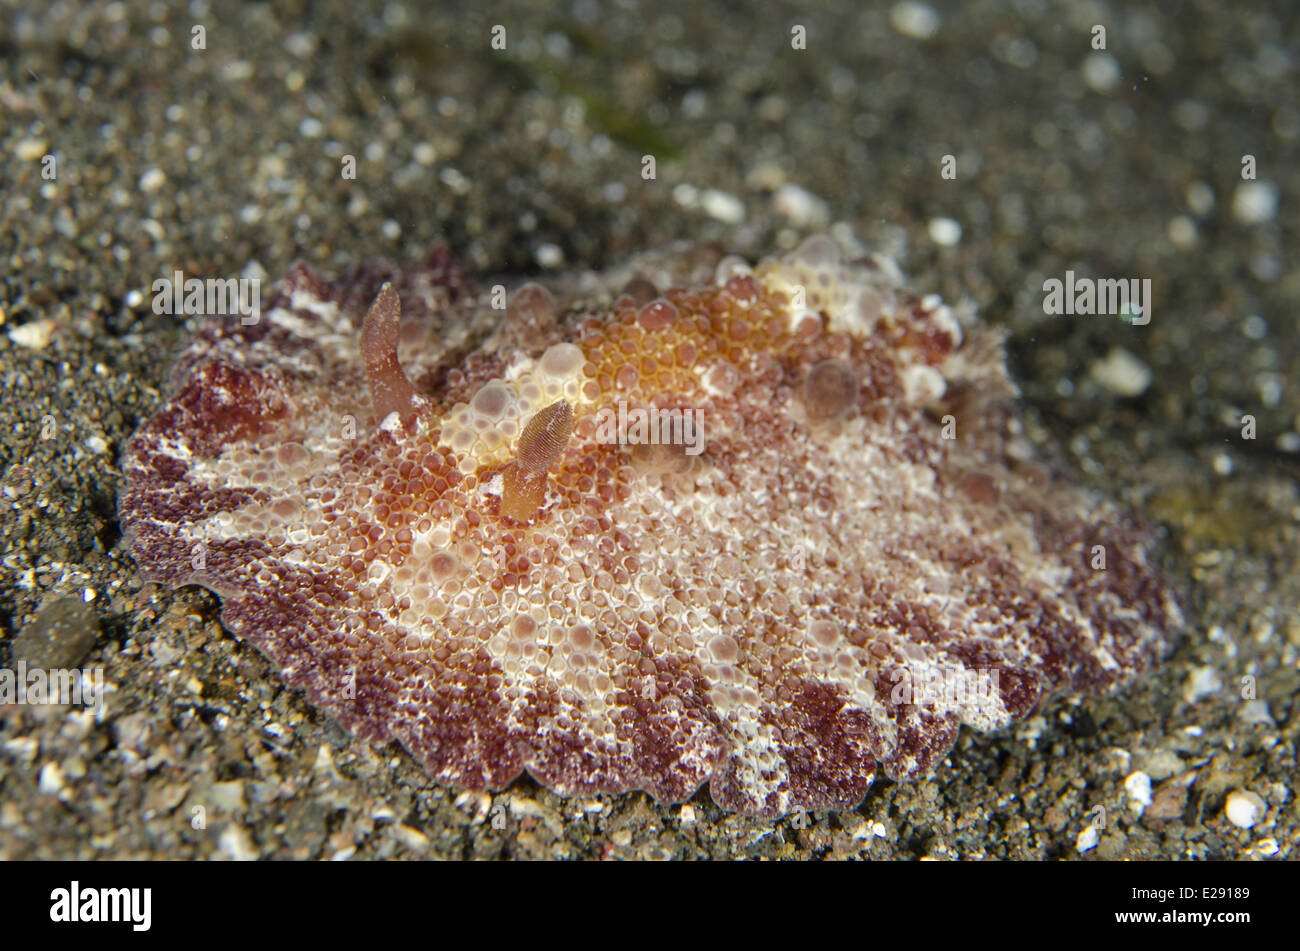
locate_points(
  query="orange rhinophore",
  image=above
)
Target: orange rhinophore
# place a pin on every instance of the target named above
(540, 444)
(390, 389)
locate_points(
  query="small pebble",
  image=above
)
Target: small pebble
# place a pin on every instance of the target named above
(1122, 373)
(235, 844)
(1244, 809)
(1200, 198)
(237, 71)
(1101, 72)
(945, 232)
(152, 180)
(29, 150)
(801, 207)
(1181, 231)
(1161, 764)
(549, 256)
(723, 206)
(412, 838)
(22, 748)
(63, 631)
(1138, 787)
(1254, 203)
(920, 21)
(1201, 683)
(50, 779)
(228, 797)
(1264, 848)
(1255, 711)
(34, 335)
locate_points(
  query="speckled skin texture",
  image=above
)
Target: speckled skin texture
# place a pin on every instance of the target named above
(865, 519)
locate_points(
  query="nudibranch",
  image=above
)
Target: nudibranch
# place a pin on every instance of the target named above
(774, 528)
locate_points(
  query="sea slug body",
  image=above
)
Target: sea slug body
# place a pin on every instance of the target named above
(403, 497)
